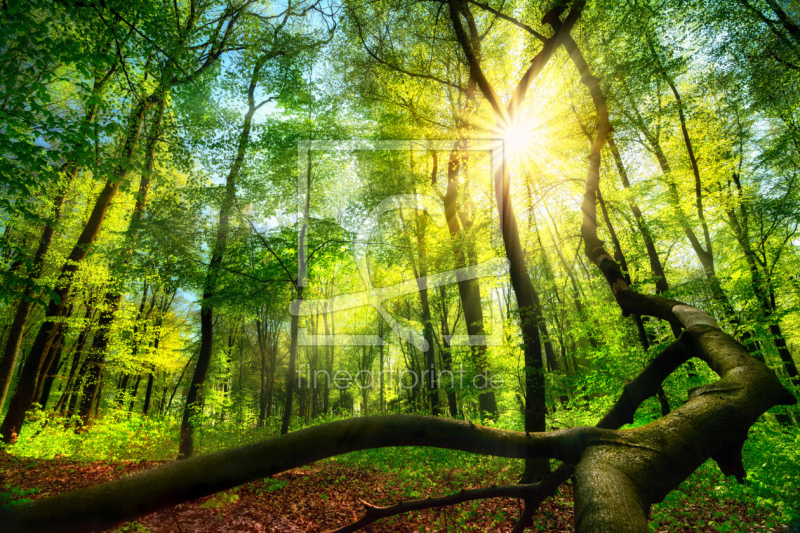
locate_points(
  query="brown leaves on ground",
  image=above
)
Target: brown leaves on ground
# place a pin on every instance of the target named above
(321, 497)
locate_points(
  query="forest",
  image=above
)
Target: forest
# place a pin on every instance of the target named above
(399, 265)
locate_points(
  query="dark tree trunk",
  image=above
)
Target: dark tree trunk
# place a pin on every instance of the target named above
(535, 404)
(290, 374)
(15, 334)
(48, 361)
(447, 356)
(313, 364)
(112, 299)
(162, 404)
(459, 219)
(149, 392)
(50, 370)
(77, 387)
(69, 387)
(656, 267)
(623, 263)
(330, 353)
(23, 397)
(262, 391)
(133, 394)
(760, 282)
(194, 394)
(419, 266)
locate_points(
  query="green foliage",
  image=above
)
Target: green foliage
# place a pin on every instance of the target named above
(271, 485)
(220, 500)
(15, 495)
(117, 436)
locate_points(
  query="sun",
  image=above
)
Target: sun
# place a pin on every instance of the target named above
(517, 139)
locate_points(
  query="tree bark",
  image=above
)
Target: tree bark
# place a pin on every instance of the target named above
(459, 221)
(69, 387)
(194, 395)
(613, 490)
(447, 356)
(112, 298)
(50, 368)
(23, 397)
(656, 267)
(290, 374)
(12, 344)
(760, 282)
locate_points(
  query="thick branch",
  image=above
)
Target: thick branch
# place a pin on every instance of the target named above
(645, 385)
(103, 506)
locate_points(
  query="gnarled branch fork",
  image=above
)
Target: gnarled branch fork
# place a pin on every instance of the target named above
(614, 488)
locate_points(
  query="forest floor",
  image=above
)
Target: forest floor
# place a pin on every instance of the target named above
(327, 495)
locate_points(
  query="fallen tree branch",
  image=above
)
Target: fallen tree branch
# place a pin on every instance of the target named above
(103, 506)
(534, 492)
(646, 385)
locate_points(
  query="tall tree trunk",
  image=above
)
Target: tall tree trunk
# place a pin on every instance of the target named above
(656, 267)
(535, 404)
(50, 367)
(262, 394)
(420, 270)
(151, 374)
(381, 365)
(135, 391)
(329, 355)
(77, 387)
(760, 282)
(458, 220)
(314, 366)
(705, 254)
(469, 40)
(194, 395)
(51, 376)
(69, 387)
(162, 403)
(299, 284)
(14, 339)
(623, 263)
(112, 299)
(290, 374)
(23, 397)
(447, 356)
(149, 392)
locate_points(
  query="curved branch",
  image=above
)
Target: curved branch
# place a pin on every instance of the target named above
(504, 115)
(512, 20)
(103, 506)
(391, 66)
